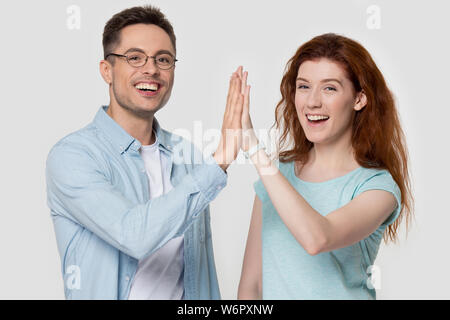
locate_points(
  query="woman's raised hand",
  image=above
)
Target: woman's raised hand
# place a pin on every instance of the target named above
(249, 138)
(231, 133)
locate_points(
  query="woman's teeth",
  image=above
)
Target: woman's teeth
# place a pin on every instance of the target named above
(316, 117)
(147, 86)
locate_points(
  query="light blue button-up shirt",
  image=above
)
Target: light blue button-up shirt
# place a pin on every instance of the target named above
(105, 222)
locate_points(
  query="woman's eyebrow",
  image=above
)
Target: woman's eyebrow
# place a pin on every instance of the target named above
(332, 79)
(322, 81)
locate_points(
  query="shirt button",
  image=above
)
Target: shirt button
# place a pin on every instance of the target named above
(127, 278)
(219, 187)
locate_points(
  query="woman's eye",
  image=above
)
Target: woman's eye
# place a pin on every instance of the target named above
(330, 89)
(302, 86)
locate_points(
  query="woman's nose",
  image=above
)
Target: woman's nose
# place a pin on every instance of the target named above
(314, 99)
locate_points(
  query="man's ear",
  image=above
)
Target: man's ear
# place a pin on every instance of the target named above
(361, 101)
(106, 71)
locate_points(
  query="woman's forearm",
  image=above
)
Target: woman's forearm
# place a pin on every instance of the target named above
(249, 290)
(308, 226)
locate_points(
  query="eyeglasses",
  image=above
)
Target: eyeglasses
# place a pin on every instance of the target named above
(138, 59)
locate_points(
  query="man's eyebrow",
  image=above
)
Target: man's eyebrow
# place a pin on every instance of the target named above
(135, 50)
(165, 51)
(324, 80)
(140, 50)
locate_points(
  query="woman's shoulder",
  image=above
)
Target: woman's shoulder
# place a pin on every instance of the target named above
(376, 179)
(365, 175)
(258, 186)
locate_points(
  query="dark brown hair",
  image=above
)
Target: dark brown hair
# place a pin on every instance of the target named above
(377, 137)
(135, 15)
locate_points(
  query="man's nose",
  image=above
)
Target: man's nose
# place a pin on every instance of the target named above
(150, 67)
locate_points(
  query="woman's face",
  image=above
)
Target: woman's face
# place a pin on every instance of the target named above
(325, 101)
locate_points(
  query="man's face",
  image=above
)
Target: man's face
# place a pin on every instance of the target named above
(125, 79)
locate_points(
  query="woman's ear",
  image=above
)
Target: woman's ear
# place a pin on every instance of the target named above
(106, 71)
(361, 101)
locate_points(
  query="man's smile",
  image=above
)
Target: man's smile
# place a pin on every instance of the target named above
(148, 88)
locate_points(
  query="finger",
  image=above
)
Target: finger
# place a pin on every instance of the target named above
(237, 72)
(247, 99)
(231, 90)
(246, 122)
(237, 112)
(236, 96)
(244, 82)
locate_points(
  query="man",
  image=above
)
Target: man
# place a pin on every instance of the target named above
(130, 221)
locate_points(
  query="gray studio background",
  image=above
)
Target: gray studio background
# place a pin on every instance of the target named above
(51, 86)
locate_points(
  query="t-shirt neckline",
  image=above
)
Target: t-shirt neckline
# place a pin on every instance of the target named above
(292, 172)
(151, 146)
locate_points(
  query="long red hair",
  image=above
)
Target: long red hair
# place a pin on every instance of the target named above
(377, 137)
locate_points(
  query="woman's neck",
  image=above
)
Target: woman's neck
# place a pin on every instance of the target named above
(332, 157)
(327, 161)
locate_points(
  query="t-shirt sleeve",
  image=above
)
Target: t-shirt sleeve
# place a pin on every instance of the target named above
(260, 190)
(382, 180)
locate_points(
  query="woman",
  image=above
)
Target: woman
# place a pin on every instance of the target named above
(341, 183)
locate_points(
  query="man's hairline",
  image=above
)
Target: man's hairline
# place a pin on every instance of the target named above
(119, 38)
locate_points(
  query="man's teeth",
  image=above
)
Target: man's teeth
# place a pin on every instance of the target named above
(147, 86)
(316, 117)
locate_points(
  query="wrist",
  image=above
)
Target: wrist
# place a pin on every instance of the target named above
(254, 149)
(249, 140)
(259, 157)
(220, 161)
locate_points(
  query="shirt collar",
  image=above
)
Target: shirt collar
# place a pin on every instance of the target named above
(122, 139)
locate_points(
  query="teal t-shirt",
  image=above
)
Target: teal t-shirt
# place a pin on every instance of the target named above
(289, 272)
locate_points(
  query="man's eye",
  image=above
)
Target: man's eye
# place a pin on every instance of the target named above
(135, 58)
(164, 60)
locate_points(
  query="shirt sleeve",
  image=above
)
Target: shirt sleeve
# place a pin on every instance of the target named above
(382, 180)
(79, 189)
(260, 190)
(258, 185)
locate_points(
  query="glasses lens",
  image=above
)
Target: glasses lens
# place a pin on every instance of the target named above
(164, 60)
(136, 59)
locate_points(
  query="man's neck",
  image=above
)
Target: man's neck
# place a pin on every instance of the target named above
(137, 127)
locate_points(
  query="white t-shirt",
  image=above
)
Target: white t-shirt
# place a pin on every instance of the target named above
(160, 275)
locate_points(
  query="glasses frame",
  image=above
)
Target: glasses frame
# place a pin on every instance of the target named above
(146, 60)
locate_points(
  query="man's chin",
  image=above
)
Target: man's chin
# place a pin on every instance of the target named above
(144, 112)
(141, 107)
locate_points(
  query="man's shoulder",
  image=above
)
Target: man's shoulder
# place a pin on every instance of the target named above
(172, 138)
(186, 152)
(178, 142)
(83, 139)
